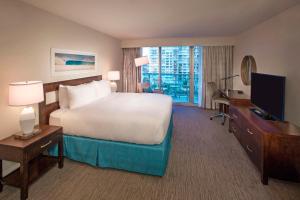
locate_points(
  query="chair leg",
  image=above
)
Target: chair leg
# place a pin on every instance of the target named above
(224, 120)
(222, 110)
(217, 115)
(225, 116)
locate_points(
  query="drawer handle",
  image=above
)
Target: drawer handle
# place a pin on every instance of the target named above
(43, 146)
(249, 149)
(249, 131)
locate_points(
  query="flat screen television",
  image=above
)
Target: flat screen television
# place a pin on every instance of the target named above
(268, 94)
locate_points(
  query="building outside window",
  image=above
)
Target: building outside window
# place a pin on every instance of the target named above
(170, 71)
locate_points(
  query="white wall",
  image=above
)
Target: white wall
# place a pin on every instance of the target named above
(26, 36)
(275, 45)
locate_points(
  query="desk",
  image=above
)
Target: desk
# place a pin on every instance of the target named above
(236, 97)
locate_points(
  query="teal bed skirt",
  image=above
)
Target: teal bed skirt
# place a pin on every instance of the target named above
(146, 159)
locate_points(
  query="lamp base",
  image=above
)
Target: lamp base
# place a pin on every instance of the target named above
(22, 136)
(113, 86)
(27, 120)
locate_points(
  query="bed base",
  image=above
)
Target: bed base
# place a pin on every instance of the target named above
(145, 159)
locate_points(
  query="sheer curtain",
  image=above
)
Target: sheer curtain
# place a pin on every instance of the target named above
(131, 73)
(217, 64)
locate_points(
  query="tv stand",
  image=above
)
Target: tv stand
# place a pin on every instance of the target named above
(262, 114)
(273, 146)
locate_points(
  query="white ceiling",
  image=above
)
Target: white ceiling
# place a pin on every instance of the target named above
(137, 19)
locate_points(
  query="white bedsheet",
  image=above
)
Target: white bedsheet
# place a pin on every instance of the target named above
(127, 117)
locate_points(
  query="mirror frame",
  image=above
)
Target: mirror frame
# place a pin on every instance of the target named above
(248, 66)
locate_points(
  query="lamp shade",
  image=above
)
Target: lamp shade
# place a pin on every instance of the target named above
(141, 61)
(25, 93)
(113, 75)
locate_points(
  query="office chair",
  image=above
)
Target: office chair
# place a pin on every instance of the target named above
(217, 99)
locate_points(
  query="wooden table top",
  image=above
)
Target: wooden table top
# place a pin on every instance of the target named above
(17, 143)
(234, 94)
(273, 127)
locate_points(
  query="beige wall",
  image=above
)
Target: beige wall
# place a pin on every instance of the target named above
(26, 36)
(275, 45)
(204, 41)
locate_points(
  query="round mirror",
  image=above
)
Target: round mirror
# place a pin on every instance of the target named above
(247, 67)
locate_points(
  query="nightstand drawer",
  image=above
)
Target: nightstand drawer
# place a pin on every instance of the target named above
(42, 145)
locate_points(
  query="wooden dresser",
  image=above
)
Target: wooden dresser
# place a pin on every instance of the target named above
(273, 146)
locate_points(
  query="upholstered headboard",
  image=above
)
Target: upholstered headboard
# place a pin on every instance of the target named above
(45, 109)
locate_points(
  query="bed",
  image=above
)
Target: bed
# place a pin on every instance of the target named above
(124, 131)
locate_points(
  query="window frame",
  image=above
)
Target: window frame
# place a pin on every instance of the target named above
(191, 71)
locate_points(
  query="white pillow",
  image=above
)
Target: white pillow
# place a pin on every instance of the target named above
(103, 88)
(63, 97)
(81, 95)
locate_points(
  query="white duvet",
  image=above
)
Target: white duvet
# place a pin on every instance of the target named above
(127, 117)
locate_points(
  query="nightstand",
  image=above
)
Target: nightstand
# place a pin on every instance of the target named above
(29, 153)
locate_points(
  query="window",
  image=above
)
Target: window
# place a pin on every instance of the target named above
(150, 73)
(171, 71)
(175, 73)
(197, 73)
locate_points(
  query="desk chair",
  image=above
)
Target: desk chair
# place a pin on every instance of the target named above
(145, 88)
(217, 99)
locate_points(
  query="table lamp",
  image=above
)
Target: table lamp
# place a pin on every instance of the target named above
(138, 63)
(113, 76)
(26, 94)
(141, 61)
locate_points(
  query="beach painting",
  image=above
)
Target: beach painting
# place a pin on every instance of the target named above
(66, 62)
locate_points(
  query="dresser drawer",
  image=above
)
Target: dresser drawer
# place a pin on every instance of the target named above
(236, 130)
(252, 144)
(43, 145)
(235, 116)
(254, 152)
(252, 134)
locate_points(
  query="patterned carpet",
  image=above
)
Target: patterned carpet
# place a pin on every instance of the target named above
(206, 162)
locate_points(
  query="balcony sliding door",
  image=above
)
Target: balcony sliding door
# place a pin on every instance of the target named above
(197, 65)
(150, 73)
(174, 70)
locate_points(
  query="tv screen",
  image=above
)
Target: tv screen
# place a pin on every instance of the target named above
(267, 93)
